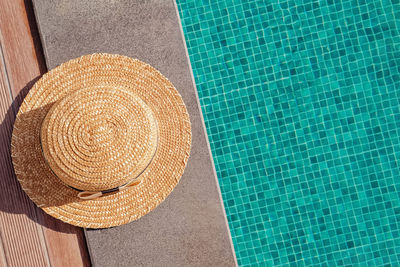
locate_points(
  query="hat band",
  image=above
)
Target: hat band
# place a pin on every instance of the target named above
(88, 195)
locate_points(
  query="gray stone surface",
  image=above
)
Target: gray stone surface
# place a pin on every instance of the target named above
(189, 228)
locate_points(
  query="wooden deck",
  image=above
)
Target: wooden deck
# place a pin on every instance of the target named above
(28, 237)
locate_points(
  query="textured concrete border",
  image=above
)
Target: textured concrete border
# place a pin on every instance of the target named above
(190, 227)
(204, 126)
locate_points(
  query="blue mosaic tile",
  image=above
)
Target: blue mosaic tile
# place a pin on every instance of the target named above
(301, 101)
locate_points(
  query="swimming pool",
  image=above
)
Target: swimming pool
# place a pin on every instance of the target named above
(301, 105)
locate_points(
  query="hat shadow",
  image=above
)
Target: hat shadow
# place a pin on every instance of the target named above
(13, 199)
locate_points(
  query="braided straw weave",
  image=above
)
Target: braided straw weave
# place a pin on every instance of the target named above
(96, 123)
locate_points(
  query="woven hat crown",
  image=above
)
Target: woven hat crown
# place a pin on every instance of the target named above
(99, 138)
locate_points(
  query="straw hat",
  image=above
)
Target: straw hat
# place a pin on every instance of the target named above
(101, 140)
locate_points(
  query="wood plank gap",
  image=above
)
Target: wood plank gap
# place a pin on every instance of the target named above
(3, 259)
(44, 243)
(6, 80)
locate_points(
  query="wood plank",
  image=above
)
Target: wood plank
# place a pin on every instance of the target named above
(22, 58)
(20, 235)
(29, 236)
(65, 243)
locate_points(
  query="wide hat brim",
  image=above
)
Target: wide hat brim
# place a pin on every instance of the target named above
(158, 180)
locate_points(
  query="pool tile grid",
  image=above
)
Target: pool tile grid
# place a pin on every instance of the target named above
(301, 104)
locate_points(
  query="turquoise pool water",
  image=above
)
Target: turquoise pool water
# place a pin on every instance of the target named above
(301, 101)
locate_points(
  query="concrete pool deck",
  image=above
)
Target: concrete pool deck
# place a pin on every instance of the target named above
(189, 228)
